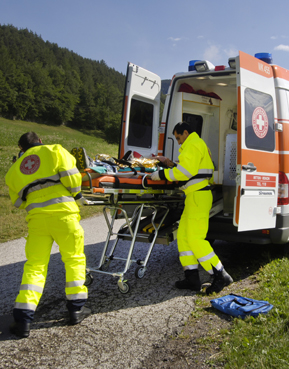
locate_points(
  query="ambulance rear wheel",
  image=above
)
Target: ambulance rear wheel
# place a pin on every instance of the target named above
(140, 272)
(88, 279)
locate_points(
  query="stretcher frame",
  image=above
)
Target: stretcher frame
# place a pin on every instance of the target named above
(144, 201)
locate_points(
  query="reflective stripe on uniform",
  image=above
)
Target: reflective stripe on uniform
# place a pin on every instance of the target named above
(69, 172)
(186, 253)
(25, 305)
(77, 296)
(184, 171)
(219, 266)
(74, 284)
(207, 257)
(75, 189)
(57, 200)
(191, 183)
(18, 203)
(40, 183)
(191, 267)
(31, 287)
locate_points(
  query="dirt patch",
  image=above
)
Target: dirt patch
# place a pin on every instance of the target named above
(198, 344)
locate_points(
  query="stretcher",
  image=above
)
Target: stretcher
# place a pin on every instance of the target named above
(151, 211)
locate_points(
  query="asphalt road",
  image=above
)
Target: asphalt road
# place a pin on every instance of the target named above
(123, 328)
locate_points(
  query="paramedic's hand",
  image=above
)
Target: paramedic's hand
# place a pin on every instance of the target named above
(155, 176)
(83, 201)
(166, 161)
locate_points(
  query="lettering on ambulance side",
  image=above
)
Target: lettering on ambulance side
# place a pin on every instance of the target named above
(30, 164)
(264, 68)
(253, 180)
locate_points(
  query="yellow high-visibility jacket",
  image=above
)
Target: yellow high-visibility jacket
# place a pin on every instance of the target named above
(45, 180)
(195, 167)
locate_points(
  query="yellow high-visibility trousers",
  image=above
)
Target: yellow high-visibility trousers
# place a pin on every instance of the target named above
(192, 231)
(66, 231)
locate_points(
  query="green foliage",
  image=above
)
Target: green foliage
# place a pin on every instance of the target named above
(44, 83)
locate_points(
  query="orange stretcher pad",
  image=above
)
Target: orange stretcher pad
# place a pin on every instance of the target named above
(138, 182)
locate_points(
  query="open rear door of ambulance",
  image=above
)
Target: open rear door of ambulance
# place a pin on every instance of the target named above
(140, 118)
(257, 159)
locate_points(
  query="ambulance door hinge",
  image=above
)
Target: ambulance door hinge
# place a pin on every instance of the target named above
(278, 127)
(277, 210)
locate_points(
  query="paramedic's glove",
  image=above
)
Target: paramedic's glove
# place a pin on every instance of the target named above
(155, 176)
(83, 201)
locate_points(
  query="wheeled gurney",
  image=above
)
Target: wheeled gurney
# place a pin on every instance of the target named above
(150, 215)
(150, 211)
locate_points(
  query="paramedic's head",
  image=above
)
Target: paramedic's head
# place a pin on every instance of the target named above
(182, 131)
(27, 140)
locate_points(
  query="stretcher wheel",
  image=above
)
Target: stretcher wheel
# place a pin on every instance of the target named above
(123, 287)
(140, 272)
(88, 279)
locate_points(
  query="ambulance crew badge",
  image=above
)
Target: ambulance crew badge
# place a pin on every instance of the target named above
(30, 164)
(260, 122)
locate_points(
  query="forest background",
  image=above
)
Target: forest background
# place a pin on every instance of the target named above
(41, 82)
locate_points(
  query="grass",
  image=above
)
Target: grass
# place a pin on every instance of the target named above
(12, 220)
(254, 343)
(262, 342)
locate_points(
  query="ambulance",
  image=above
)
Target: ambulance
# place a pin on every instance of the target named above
(241, 111)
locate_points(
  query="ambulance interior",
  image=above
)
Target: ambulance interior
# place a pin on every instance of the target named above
(215, 120)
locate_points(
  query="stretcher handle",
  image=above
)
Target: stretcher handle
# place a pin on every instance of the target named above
(143, 181)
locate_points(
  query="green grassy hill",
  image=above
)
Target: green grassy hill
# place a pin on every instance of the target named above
(12, 220)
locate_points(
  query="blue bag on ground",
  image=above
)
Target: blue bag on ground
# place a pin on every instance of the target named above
(239, 306)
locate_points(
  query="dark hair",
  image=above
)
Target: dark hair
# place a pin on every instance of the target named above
(181, 127)
(28, 139)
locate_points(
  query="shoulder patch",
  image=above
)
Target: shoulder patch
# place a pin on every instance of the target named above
(30, 164)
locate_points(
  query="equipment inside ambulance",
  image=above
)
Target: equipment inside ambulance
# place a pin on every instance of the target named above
(241, 111)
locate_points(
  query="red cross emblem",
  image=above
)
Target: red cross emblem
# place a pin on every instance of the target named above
(30, 164)
(260, 122)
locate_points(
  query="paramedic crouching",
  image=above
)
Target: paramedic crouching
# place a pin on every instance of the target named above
(46, 183)
(195, 169)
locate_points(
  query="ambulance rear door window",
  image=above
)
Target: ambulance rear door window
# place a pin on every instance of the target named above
(140, 124)
(259, 121)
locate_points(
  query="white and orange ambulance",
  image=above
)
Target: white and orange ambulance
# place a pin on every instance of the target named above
(242, 112)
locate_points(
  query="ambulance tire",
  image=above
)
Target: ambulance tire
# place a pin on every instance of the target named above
(140, 272)
(88, 279)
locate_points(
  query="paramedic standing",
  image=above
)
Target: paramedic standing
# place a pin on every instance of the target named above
(195, 169)
(46, 183)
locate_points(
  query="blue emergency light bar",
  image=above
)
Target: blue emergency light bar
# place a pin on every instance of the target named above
(192, 65)
(265, 57)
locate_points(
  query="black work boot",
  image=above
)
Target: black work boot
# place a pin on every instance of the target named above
(191, 282)
(221, 280)
(78, 316)
(20, 329)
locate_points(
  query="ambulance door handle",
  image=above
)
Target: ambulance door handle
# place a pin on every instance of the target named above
(250, 167)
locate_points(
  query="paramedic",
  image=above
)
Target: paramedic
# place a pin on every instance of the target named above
(45, 182)
(195, 172)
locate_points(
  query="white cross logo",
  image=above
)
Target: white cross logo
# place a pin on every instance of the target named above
(29, 164)
(260, 122)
